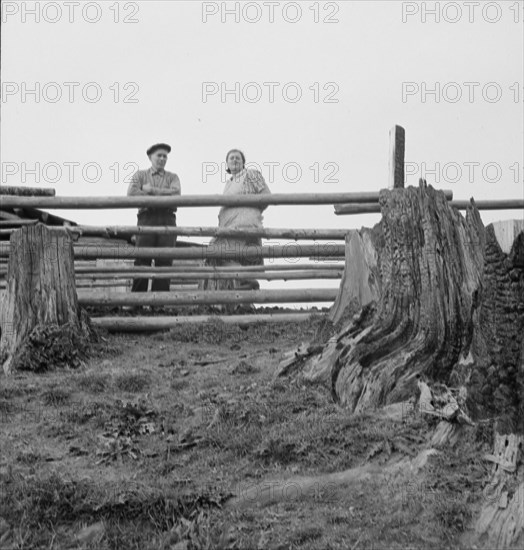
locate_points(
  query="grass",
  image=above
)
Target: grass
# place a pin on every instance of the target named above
(6, 408)
(133, 382)
(216, 332)
(299, 425)
(80, 413)
(453, 484)
(179, 384)
(93, 382)
(128, 511)
(306, 534)
(29, 457)
(199, 433)
(56, 396)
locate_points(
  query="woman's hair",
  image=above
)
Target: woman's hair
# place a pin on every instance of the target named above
(235, 151)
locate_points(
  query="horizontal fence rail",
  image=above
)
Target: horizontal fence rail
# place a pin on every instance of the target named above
(289, 251)
(123, 277)
(205, 269)
(274, 199)
(195, 275)
(129, 271)
(17, 222)
(369, 208)
(265, 233)
(27, 191)
(208, 297)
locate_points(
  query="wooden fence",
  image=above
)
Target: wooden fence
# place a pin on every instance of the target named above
(189, 267)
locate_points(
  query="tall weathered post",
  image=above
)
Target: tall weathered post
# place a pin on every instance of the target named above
(397, 147)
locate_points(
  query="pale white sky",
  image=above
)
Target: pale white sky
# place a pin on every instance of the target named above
(170, 52)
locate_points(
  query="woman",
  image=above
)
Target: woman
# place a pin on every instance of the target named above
(243, 181)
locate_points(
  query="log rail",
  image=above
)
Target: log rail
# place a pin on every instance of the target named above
(265, 233)
(289, 252)
(371, 208)
(188, 298)
(276, 199)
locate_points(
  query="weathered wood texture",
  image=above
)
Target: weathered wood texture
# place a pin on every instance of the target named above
(239, 275)
(500, 523)
(430, 263)
(183, 267)
(449, 307)
(266, 233)
(17, 222)
(370, 208)
(123, 267)
(496, 372)
(126, 251)
(40, 306)
(27, 191)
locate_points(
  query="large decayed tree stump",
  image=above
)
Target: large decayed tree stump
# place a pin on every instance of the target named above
(449, 308)
(41, 321)
(430, 262)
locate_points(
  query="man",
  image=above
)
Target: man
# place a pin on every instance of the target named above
(158, 182)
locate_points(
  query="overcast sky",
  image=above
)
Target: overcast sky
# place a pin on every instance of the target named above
(359, 66)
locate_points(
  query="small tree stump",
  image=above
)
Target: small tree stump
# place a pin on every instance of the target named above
(41, 322)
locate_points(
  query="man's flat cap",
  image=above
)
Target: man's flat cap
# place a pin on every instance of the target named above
(158, 146)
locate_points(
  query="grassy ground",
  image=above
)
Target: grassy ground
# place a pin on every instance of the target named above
(144, 447)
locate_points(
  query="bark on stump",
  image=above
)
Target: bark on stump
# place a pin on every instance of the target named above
(42, 325)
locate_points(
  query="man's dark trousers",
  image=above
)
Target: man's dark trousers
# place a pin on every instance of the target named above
(152, 217)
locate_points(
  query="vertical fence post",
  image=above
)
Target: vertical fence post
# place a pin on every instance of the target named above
(397, 143)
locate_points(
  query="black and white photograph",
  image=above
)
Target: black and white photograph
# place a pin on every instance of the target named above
(262, 275)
